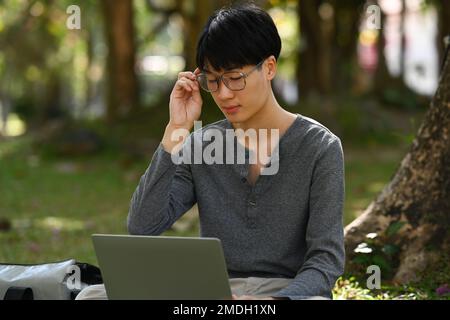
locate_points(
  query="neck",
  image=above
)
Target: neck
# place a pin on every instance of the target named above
(270, 116)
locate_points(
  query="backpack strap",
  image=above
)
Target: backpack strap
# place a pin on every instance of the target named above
(19, 293)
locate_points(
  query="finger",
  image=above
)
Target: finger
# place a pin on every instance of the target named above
(182, 85)
(197, 71)
(196, 97)
(186, 74)
(191, 83)
(183, 74)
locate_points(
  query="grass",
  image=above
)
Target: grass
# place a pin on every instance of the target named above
(366, 173)
(437, 276)
(348, 288)
(55, 204)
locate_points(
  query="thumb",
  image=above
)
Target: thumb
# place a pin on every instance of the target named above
(196, 96)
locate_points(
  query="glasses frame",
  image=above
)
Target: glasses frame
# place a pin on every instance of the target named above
(219, 79)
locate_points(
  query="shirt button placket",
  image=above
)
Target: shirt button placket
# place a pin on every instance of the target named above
(251, 211)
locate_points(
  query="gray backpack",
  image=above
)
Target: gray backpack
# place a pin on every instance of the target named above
(48, 281)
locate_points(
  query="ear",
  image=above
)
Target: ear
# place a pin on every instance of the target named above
(270, 68)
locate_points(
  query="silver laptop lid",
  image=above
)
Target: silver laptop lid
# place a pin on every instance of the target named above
(158, 267)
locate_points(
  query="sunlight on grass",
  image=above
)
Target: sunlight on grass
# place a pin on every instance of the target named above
(11, 146)
(376, 187)
(14, 126)
(50, 223)
(367, 171)
(351, 289)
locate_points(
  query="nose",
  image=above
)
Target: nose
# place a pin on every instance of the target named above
(223, 92)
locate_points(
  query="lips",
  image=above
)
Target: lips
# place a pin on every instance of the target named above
(231, 109)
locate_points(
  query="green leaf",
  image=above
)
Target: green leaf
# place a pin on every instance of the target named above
(362, 259)
(394, 228)
(390, 249)
(382, 263)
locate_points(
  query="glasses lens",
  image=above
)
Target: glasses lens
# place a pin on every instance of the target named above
(207, 83)
(234, 81)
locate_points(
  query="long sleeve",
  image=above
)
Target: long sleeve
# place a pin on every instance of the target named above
(165, 192)
(325, 254)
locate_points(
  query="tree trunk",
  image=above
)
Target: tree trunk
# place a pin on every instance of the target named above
(307, 70)
(347, 20)
(5, 106)
(90, 82)
(52, 102)
(328, 45)
(402, 54)
(122, 85)
(383, 78)
(412, 214)
(382, 73)
(195, 15)
(443, 8)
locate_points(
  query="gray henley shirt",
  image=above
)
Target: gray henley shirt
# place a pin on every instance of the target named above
(286, 225)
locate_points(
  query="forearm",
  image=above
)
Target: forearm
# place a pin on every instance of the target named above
(309, 282)
(174, 137)
(153, 207)
(148, 208)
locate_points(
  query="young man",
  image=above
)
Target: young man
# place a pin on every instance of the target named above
(281, 231)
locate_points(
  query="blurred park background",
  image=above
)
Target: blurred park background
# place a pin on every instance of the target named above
(83, 109)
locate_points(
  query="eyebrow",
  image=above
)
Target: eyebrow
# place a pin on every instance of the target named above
(205, 70)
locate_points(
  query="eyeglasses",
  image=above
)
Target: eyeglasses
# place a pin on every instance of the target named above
(233, 80)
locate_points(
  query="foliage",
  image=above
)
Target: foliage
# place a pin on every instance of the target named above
(42, 55)
(434, 285)
(380, 250)
(362, 121)
(349, 288)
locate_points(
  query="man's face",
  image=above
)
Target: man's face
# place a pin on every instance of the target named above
(239, 106)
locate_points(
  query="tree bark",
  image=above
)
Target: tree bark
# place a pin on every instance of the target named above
(122, 85)
(418, 196)
(383, 79)
(328, 45)
(347, 20)
(443, 8)
(195, 15)
(382, 73)
(307, 74)
(402, 54)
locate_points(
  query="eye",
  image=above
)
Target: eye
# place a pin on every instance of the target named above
(234, 76)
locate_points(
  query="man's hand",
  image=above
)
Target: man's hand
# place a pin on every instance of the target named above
(184, 108)
(185, 100)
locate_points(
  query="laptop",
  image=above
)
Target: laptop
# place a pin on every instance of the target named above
(160, 267)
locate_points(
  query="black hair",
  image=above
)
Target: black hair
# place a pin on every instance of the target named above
(236, 36)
